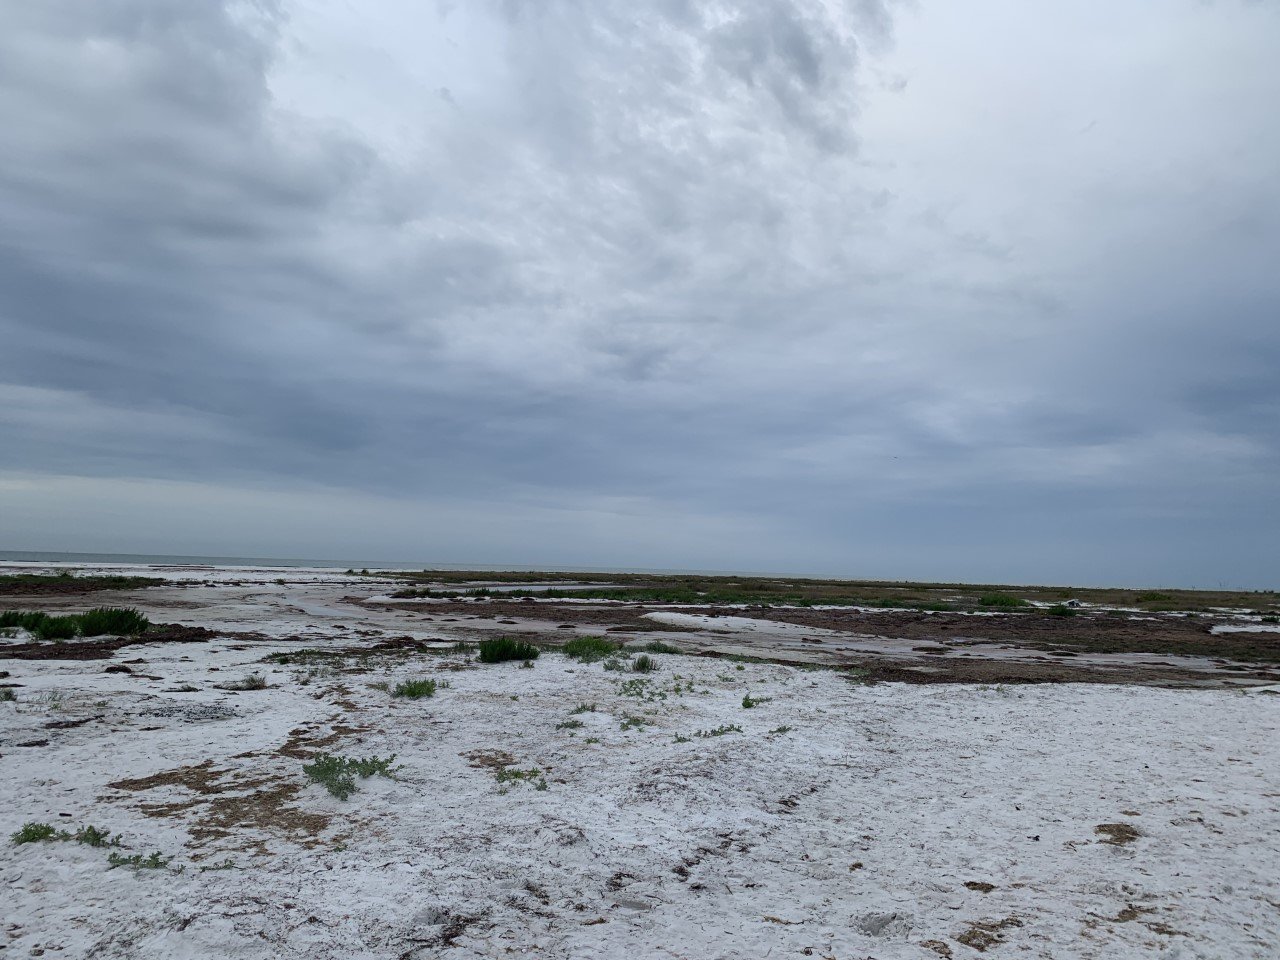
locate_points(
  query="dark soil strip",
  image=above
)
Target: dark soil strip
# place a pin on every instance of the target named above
(104, 649)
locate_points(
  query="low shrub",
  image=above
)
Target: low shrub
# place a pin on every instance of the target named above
(57, 628)
(338, 774)
(35, 833)
(117, 621)
(1061, 610)
(501, 649)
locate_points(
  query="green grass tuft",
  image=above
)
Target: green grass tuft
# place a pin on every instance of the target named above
(415, 689)
(644, 664)
(1000, 600)
(501, 649)
(590, 649)
(251, 682)
(657, 646)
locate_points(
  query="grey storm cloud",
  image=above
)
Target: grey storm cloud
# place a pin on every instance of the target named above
(863, 288)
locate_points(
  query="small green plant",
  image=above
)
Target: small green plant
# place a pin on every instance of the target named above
(719, 731)
(138, 861)
(35, 833)
(93, 837)
(227, 864)
(569, 724)
(583, 708)
(783, 729)
(680, 738)
(1061, 610)
(415, 689)
(526, 665)
(644, 664)
(501, 649)
(748, 701)
(507, 775)
(337, 774)
(7, 695)
(589, 649)
(631, 722)
(615, 663)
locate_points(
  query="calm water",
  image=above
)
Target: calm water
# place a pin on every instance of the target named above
(148, 559)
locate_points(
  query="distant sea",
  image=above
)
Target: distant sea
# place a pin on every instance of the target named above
(160, 559)
(169, 560)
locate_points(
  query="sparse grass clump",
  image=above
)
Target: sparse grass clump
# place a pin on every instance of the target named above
(657, 646)
(7, 695)
(569, 724)
(590, 649)
(583, 708)
(337, 774)
(501, 649)
(1000, 600)
(719, 731)
(508, 775)
(749, 701)
(415, 689)
(644, 664)
(1061, 610)
(252, 682)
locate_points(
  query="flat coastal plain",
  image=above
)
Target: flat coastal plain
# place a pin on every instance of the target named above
(734, 769)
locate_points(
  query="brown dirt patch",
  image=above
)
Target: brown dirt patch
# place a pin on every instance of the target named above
(303, 745)
(225, 803)
(1116, 834)
(985, 934)
(489, 759)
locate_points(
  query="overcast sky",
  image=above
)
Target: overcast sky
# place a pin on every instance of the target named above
(979, 291)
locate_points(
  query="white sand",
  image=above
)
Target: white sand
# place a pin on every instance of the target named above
(743, 845)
